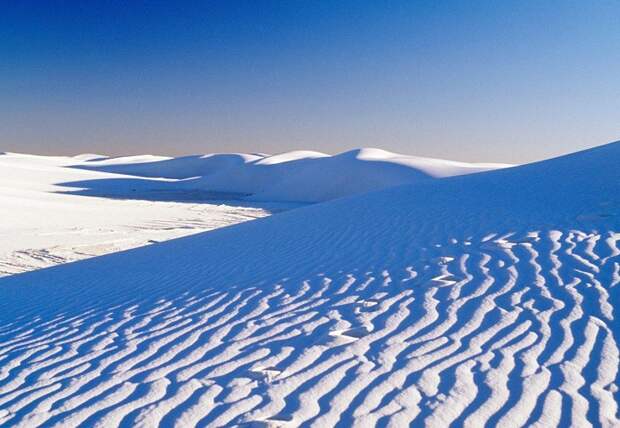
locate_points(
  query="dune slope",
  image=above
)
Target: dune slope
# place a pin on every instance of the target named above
(481, 299)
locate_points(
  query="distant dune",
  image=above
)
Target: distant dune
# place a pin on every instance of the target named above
(298, 176)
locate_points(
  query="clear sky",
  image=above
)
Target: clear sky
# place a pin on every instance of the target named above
(508, 81)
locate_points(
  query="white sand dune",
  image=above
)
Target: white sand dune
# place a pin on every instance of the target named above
(298, 176)
(480, 300)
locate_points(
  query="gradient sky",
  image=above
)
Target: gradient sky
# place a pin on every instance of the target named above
(510, 81)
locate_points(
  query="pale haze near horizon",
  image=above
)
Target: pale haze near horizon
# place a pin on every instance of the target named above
(475, 82)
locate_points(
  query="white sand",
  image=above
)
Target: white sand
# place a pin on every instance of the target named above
(481, 300)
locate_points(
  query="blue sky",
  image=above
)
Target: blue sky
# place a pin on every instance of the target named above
(490, 81)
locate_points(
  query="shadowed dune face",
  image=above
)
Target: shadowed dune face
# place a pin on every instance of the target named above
(147, 190)
(483, 299)
(176, 168)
